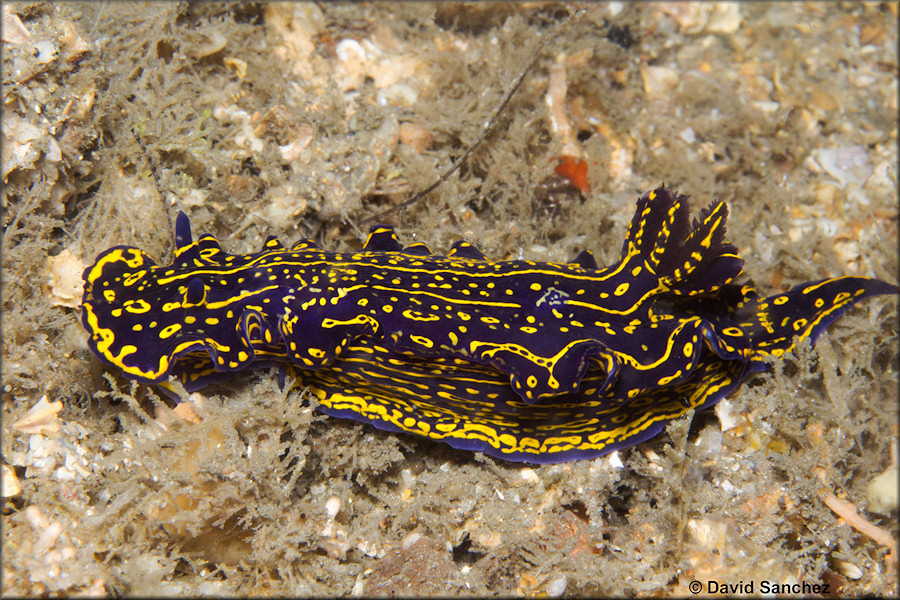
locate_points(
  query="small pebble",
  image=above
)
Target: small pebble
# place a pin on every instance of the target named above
(349, 49)
(659, 81)
(557, 587)
(529, 475)
(333, 506)
(416, 466)
(615, 461)
(410, 539)
(849, 570)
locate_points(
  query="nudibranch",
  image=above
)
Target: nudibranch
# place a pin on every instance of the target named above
(524, 361)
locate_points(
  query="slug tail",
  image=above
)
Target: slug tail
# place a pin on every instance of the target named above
(775, 323)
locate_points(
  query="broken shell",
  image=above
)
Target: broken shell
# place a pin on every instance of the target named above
(64, 279)
(882, 491)
(45, 52)
(14, 32)
(725, 17)
(399, 93)
(239, 66)
(725, 412)
(658, 81)
(187, 412)
(846, 164)
(716, 17)
(211, 44)
(41, 417)
(20, 147)
(291, 151)
(9, 483)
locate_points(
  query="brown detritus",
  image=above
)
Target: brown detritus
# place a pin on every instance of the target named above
(416, 137)
(421, 568)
